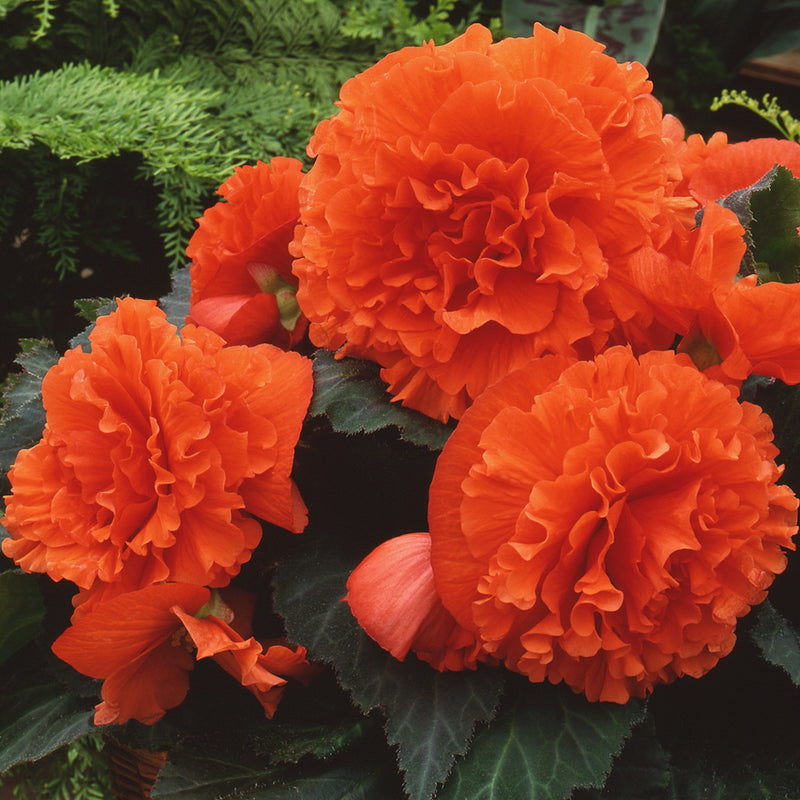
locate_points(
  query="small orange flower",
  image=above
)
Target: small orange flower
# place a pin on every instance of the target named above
(606, 523)
(242, 282)
(727, 325)
(157, 451)
(449, 239)
(143, 645)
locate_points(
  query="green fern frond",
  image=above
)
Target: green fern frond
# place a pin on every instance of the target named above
(45, 14)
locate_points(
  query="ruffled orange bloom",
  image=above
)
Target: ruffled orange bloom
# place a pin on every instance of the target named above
(242, 282)
(691, 286)
(451, 240)
(157, 450)
(143, 645)
(740, 165)
(690, 152)
(607, 523)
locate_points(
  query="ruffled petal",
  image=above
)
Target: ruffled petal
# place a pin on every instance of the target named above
(393, 596)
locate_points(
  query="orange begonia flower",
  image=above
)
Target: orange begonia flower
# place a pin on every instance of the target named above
(451, 240)
(690, 152)
(607, 523)
(156, 451)
(728, 325)
(242, 283)
(143, 644)
(740, 165)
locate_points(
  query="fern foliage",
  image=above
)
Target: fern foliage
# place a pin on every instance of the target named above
(181, 91)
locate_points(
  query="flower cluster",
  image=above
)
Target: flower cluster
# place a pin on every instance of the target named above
(158, 454)
(526, 245)
(605, 510)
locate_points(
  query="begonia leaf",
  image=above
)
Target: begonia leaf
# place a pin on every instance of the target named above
(90, 308)
(778, 640)
(544, 742)
(628, 28)
(351, 394)
(38, 719)
(642, 770)
(207, 772)
(176, 304)
(287, 744)
(702, 779)
(431, 716)
(23, 415)
(776, 218)
(21, 611)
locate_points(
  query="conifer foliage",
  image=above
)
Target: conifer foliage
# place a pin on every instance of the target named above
(182, 91)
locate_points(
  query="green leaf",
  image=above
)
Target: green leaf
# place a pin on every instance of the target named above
(641, 772)
(776, 218)
(90, 309)
(351, 394)
(176, 304)
(545, 742)
(23, 415)
(284, 743)
(628, 28)
(778, 640)
(198, 776)
(431, 716)
(21, 611)
(698, 778)
(37, 720)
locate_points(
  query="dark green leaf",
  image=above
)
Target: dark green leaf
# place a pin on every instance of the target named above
(220, 767)
(776, 218)
(545, 742)
(38, 719)
(749, 779)
(628, 28)
(176, 304)
(739, 203)
(778, 640)
(90, 309)
(641, 772)
(23, 414)
(430, 715)
(351, 394)
(284, 743)
(195, 776)
(21, 611)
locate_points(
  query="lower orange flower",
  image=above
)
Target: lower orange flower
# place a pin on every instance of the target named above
(606, 523)
(143, 645)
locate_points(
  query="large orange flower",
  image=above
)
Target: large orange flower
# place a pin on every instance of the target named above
(157, 450)
(467, 204)
(607, 524)
(143, 645)
(242, 282)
